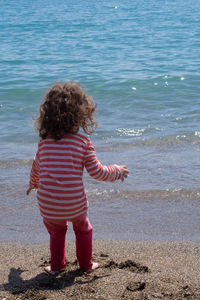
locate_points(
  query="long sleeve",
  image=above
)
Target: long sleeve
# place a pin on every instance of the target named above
(34, 175)
(97, 170)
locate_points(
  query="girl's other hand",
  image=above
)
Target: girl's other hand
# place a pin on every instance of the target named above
(28, 190)
(125, 172)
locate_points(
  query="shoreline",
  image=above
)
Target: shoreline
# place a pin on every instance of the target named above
(128, 270)
(130, 216)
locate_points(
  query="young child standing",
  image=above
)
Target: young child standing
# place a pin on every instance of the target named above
(57, 171)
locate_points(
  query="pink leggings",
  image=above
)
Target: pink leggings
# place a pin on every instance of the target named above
(83, 233)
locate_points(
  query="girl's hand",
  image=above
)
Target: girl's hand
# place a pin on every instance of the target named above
(29, 189)
(125, 172)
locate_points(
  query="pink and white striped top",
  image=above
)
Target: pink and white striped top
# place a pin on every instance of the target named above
(57, 174)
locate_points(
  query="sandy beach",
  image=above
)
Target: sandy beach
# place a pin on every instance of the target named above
(129, 270)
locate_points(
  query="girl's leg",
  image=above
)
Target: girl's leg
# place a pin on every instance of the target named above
(57, 232)
(83, 233)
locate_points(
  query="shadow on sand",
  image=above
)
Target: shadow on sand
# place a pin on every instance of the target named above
(17, 285)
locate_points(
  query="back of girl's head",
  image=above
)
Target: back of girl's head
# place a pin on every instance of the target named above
(66, 108)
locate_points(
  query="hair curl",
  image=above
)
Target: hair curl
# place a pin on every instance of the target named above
(66, 108)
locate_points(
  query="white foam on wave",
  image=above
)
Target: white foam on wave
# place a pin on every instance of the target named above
(197, 133)
(131, 132)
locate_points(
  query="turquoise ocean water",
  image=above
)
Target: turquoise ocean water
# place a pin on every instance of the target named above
(140, 61)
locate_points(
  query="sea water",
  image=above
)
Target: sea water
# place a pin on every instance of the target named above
(140, 62)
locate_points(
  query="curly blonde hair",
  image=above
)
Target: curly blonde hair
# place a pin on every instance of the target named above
(66, 108)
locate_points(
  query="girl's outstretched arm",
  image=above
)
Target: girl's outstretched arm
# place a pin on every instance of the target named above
(101, 172)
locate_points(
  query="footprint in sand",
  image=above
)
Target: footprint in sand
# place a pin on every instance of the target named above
(128, 264)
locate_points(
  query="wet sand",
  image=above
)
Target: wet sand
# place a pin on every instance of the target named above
(129, 270)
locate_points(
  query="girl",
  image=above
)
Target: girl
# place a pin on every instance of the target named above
(57, 171)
